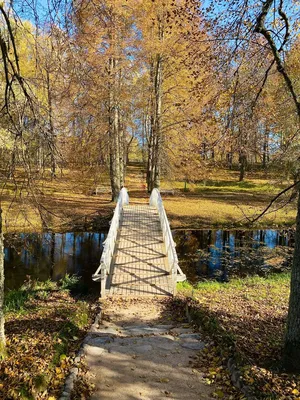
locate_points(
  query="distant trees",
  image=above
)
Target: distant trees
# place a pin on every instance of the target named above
(106, 40)
(151, 71)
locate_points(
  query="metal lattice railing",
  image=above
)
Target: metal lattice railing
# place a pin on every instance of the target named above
(109, 245)
(175, 270)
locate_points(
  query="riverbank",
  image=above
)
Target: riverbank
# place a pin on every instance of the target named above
(70, 203)
(242, 320)
(45, 325)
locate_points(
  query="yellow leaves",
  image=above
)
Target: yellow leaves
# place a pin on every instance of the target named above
(59, 373)
(62, 357)
(219, 394)
(164, 380)
(295, 391)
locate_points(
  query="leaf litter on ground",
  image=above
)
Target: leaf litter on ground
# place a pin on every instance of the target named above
(43, 338)
(244, 319)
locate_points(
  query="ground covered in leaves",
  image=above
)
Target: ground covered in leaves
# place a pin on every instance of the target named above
(45, 325)
(69, 202)
(244, 319)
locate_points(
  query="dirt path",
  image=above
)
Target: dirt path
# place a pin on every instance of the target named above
(138, 352)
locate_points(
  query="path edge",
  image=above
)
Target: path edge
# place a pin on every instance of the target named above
(70, 380)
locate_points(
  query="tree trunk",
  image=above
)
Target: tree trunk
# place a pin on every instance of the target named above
(155, 139)
(151, 149)
(2, 332)
(114, 146)
(243, 162)
(203, 152)
(116, 134)
(229, 160)
(265, 149)
(122, 155)
(158, 113)
(52, 140)
(114, 155)
(292, 338)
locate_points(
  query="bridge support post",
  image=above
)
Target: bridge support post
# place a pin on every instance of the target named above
(103, 282)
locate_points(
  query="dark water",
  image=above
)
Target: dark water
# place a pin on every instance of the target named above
(221, 254)
(203, 254)
(51, 256)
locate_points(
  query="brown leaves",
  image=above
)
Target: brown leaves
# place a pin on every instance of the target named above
(245, 319)
(42, 344)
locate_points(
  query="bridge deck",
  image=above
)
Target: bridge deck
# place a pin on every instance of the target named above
(140, 265)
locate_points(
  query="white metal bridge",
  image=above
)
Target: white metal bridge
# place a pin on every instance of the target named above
(139, 256)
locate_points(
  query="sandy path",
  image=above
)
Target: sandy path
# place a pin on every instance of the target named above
(138, 352)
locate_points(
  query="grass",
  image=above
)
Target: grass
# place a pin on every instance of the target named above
(253, 186)
(200, 212)
(275, 281)
(220, 201)
(16, 300)
(44, 326)
(68, 201)
(225, 202)
(244, 319)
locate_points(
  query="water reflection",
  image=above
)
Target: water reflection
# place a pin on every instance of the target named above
(221, 253)
(51, 256)
(202, 254)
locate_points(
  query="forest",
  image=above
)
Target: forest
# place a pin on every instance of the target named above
(200, 100)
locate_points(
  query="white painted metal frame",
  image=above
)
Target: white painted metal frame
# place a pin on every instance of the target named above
(109, 245)
(177, 274)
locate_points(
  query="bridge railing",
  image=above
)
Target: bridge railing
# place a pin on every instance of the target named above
(109, 245)
(175, 270)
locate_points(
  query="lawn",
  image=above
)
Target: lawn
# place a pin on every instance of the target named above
(65, 203)
(222, 201)
(68, 202)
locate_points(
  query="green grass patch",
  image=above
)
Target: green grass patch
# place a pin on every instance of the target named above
(237, 187)
(18, 300)
(271, 280)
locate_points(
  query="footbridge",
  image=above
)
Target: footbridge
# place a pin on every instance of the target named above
(139, 256)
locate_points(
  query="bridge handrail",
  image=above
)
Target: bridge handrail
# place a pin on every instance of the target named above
(110, 241)
(156, 201)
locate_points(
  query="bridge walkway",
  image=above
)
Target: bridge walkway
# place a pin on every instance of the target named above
(139, 256)
(140, 264)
